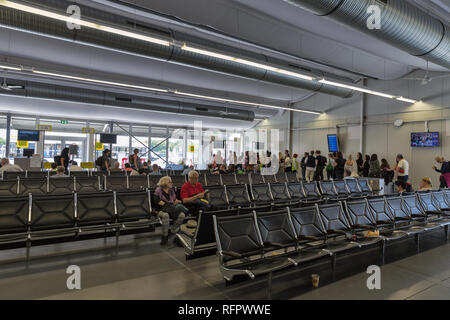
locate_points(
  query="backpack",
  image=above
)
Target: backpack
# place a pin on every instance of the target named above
(322, 161)
(98, 162)
(57, 160)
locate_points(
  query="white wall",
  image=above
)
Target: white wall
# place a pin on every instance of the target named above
(380, 135)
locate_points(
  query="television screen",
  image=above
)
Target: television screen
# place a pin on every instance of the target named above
(108, 138)
(28, 152)
(219, 144)
(28, 135)
(333, 143)
(425, 139)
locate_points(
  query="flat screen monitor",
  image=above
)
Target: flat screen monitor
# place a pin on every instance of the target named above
(108, 138)
(28, 152)
(28, 135)
(424, 139)
(333, 143)
(219, 144)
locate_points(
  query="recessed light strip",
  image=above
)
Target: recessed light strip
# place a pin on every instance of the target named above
(80, 22)
(98, 81)
(244, 102)
(10, 68)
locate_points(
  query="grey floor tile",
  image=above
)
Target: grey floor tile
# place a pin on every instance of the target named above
(436, 292)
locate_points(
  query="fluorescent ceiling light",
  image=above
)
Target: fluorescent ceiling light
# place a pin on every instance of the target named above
(341, 85)
(244, 102)
(10, 68)
(80, 22)
(406, 100)
(245, 62)
(376, 93)
(98, 81)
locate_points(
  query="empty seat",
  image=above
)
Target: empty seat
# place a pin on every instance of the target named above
(213, 180)
(237, 238)
(33, 186)
(261, 193)
(229, 179)
(311, 190)
(36, 174)
(8, 188)
(87, 184)
(329, 192)
(281, 177)
(441, 201)
(364, 186)
(341, 187)
(133, 206)
(79, 173)
(202, 238)
(218, 196)
(359, 215)
(353, 187)
(153, 181)
(336, 224)
(61, 185)
(138, 182)
(296, 191)
(257, 179)
(243, 178)
(116, 183)
(280, 192)
(428, 203)
(270, 178)
(14, 214)
(261, 208)
(276, 230)
(238, 195)
(95, 209)
(52, 212)
(178, 181)
(13, 175)
(292, 177)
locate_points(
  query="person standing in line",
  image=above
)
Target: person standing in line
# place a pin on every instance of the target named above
(321, 162)
(349, 164)
(330, 166)
(402, 168)
(374, 167)
(287, 162)
(359, 163)
(339, 166)
(310, 167)
(295, 164)
(303, 165)
(366, 166)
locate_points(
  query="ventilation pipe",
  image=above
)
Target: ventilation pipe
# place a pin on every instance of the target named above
(29, 22)
(96, 97)
(402, 25)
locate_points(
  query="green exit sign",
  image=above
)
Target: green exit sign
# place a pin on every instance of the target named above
(64, 122)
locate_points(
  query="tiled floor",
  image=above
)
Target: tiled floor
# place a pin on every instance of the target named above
(141, 269)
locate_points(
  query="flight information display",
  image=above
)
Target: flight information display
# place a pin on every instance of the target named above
(333, 143)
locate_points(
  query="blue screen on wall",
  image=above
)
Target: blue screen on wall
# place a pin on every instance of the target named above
(333, 143)
(425, 139)
(28, 135)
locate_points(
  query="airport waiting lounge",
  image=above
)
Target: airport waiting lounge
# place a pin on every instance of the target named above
(237, 150)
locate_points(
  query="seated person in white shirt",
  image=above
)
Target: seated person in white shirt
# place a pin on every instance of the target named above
(60, 173)
(74, 167)
(6, 166)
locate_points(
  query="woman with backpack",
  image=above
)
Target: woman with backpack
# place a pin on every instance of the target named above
(103, 162)
(63, 159)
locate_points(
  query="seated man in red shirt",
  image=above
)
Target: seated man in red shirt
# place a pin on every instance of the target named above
(192, 193)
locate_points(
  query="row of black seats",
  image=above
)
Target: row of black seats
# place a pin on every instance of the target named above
(229, 196)
(262, 243)
(241, 199)
(35, 217)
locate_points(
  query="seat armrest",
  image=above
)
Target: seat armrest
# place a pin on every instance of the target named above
(273, 244)
(338, 231)
(365, 226)
(232, 254)
(312, 238)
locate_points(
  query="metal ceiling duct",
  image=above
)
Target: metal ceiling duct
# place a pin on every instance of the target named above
(97, 97)
(28, 22)
(402, 25)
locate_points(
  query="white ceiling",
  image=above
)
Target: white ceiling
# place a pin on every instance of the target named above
(270, 23)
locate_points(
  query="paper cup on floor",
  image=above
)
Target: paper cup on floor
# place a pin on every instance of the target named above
(315, 280)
